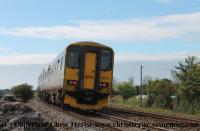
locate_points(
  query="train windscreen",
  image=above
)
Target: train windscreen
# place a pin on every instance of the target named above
(106, 60)
(73, 57)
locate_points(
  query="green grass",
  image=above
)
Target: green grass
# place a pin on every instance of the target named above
(134, 103)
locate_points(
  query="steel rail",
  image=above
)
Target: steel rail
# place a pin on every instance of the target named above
(154, 115)
(114, 118)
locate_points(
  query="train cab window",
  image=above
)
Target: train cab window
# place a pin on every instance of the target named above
(106, 59)
(73, 57)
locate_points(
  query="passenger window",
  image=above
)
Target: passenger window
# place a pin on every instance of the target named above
(73, 57)
(106, 59)
(61, 63)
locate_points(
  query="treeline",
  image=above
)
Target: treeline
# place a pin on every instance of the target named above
(180, 94)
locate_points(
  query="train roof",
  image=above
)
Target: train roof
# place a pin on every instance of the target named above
(91, 43)
(83, 43)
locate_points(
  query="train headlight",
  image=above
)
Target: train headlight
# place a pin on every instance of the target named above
(72, 82)
(103, 84)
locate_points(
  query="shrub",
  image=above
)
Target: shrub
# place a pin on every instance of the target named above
(160, 93)
(126, 90)
(23, 91)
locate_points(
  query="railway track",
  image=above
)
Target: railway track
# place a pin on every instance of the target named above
(119, 119)
(140, 125)
(101, 120)
(152, 118)
(130, 112)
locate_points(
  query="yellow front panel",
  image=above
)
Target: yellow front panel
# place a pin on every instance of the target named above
(71, 74)
(89, 71)
(106, 76)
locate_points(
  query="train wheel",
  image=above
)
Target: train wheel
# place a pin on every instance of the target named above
(49, 98)
(54, 99)
(64, 106)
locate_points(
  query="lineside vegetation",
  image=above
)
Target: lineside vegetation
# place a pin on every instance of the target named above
(23, 91)
(182, 94)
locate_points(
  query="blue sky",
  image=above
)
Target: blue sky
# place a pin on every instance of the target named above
(35, 31)
(35, 13)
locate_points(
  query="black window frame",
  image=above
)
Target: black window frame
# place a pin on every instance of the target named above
(111, 60)
(67, 63)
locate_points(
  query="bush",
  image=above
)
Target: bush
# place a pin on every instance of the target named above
(131, 102)
(126, 90)
(160, 93)
(23, 91)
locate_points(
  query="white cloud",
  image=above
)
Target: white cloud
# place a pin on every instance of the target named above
(156, 57)
(26, 59)
(4, 49)
(119, 57)
(154, 28)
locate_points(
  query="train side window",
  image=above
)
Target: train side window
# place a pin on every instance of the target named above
(61, 63)
(43, 74)
(49, 68)
(106, 60)
(73, 57)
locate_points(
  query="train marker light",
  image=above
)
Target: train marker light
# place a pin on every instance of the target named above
(72, 82)
(103, 84)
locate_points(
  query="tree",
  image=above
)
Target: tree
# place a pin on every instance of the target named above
(160, 93)
(23, 91)
(188, 73)
(152, 92)
(146, 79)
(126, 90)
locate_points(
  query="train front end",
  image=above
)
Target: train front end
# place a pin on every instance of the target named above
(88, 75)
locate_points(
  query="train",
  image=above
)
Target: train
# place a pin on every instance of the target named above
(80, 77)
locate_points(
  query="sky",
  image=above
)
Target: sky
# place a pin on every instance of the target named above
(155, 33)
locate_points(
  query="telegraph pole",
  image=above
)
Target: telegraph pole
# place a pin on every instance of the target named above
(141, 88)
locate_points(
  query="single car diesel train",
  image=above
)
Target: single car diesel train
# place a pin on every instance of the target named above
(80, 77)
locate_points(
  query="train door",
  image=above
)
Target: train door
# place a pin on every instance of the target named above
(90, 70)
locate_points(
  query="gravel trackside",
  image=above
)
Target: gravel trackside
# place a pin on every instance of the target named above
(61, 121)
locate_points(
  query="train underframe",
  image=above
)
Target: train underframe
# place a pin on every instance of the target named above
(86, 100)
